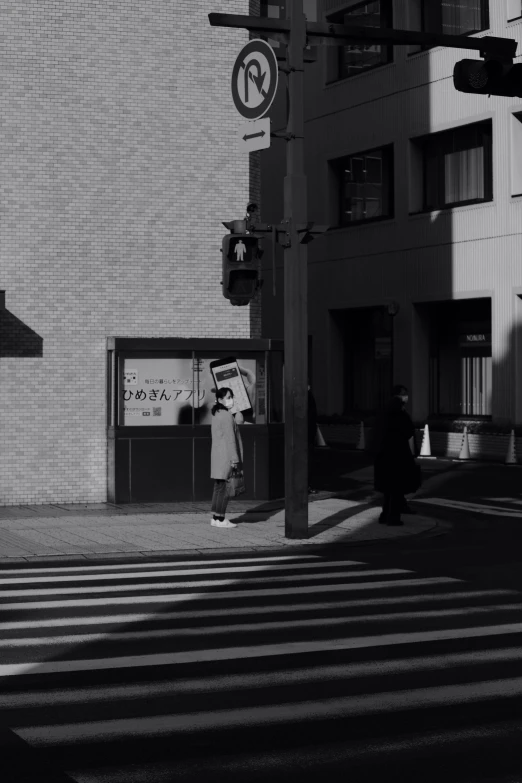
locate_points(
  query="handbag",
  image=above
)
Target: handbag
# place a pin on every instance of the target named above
(235, 483)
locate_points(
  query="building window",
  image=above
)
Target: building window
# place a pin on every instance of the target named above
(514, 10)
(276, 9)
(454, 18)
(460, 378)
(456, 166)
(358, 57)
(467, 392)
(365, 185)
(464, 17)
(515, 159)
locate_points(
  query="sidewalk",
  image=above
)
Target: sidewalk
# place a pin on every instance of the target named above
(344, 515)
(101, 530)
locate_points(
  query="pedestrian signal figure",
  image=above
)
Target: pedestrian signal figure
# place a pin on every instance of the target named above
(239, 250)
(226, 454)
(395, 471)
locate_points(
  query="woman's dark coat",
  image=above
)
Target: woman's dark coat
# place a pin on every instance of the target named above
(312, 419)
(395, 469)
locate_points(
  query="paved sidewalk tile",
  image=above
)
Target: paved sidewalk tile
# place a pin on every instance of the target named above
(167, 538)
(12, 544)
(155, 530)
(41, 542)
(96, 542)
(129, 536)
(79, 536)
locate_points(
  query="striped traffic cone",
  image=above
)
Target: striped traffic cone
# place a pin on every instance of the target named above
(464, 451)
(425, 452)
(319, 440)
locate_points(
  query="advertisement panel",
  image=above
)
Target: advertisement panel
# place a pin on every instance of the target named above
(174, 391)
(157, 392)
(239, 374)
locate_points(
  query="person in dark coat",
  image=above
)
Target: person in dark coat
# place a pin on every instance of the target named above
(395, 470)
(312, 432)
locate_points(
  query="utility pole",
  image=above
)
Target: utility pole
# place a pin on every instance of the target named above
(296, 289)
(295, 232)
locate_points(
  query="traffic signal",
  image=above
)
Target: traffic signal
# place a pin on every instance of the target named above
(488, 77)
(241, 255)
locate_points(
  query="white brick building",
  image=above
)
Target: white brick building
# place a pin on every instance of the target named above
(117, 166)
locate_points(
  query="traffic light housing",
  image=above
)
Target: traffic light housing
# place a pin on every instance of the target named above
(488, 77)
(241, 255)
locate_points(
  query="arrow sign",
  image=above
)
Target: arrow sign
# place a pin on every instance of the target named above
(255, 135)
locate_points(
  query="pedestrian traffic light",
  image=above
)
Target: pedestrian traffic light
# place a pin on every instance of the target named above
(488, 77)
(241, 256)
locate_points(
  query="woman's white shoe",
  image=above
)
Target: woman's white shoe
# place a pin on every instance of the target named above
(222, 523)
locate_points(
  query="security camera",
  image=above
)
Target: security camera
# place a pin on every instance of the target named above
(251, 207)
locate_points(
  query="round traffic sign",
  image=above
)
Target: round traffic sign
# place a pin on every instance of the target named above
(254, 79)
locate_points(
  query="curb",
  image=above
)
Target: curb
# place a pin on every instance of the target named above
(130, 558)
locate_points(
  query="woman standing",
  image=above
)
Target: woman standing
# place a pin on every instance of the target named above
(227, 452)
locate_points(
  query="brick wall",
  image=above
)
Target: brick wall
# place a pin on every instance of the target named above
(117, 166)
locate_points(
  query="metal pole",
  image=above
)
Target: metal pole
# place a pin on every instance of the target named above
(296, 289)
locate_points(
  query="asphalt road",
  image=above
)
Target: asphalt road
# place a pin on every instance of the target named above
(399, 661)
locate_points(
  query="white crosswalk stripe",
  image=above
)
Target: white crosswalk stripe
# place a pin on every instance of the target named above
(245, 645)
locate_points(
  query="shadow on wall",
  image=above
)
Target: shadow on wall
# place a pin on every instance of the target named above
(17, 339)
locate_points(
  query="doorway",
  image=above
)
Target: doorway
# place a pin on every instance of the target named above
(366, 348)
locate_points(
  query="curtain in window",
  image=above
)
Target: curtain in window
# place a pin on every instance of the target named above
(460, 16)
(464, 175)
(476, 385)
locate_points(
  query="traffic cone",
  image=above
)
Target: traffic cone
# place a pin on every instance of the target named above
(361, 443)
(464, 452)
(320, 441)
(511, 456)
(425, 452)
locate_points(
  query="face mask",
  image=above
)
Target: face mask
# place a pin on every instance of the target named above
(228, 403)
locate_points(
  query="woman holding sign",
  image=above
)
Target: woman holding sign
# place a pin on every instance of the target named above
(227, 452)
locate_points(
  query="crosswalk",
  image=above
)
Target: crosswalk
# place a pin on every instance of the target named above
(262, 666)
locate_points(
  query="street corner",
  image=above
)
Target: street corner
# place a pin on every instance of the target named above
(343, 521)
(472, 491)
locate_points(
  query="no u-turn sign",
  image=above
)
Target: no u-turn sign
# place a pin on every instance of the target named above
(254, 79)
